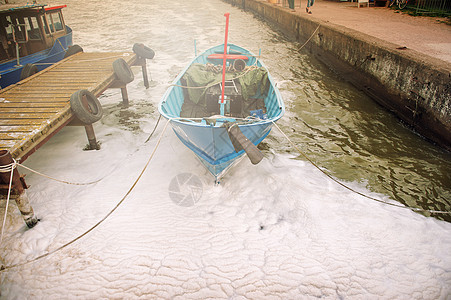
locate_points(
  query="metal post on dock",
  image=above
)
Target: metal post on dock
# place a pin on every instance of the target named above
(19, 187)
(124, 96)
(142, 62)
(145, 77)
(93, 145)
(143, 53)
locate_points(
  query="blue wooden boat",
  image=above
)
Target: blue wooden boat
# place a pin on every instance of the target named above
(221, 119)
(33, 37)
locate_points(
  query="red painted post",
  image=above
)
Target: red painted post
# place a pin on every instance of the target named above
(224, 60)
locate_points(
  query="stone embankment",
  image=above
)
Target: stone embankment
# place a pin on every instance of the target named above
(415, 86)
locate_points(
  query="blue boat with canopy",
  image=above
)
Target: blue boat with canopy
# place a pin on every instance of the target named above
(222, 105)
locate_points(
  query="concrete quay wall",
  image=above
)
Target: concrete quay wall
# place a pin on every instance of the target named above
(414, 86)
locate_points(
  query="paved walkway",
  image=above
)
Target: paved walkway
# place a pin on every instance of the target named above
(428, 35)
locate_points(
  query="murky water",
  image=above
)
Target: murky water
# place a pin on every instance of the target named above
(337, 126)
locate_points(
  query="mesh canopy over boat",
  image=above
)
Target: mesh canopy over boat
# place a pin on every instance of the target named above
(203, 82)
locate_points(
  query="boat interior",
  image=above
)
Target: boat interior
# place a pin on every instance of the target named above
(245, 88)
(249, 92)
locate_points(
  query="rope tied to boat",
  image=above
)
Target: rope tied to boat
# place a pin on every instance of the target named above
(5, 169)
(4, 268)
(59, 180)
(61, 45)
(308, 40)
(10, 168)
(351, 189)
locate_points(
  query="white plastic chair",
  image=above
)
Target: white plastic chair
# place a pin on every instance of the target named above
(367, 2)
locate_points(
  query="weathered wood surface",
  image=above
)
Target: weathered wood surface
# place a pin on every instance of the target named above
(34, 109)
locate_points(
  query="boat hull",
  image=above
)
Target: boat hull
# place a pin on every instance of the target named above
(10, 72)
(212, 145)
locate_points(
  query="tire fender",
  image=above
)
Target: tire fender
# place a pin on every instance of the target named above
(122, 71)
(72, 50)
(86, 106)
(143, 51)
(28, 70)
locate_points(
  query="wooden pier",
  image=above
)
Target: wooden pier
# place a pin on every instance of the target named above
(35, 109)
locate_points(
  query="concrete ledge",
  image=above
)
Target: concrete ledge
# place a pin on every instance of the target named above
(414, 86)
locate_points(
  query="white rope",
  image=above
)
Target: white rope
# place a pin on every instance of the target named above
(10, 168)
(59, 180)
(351, 189)
(62, 47)
(5, 169)
(4, 268)
(308, 40)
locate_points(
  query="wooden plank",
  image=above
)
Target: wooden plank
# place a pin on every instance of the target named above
(19, 97)
(7, 144)
(28, 128)
(33, 105)
(52, 118)
(72, 74)
(80, 65)
(56, 82)
(41, 89)
(16, 122)
(69, 84)
(13, 135)
(43, 96)
(80, 78)
(28, 110)
(19, 115)
(39, 101)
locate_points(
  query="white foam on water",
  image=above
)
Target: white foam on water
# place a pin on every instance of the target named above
(278, 230)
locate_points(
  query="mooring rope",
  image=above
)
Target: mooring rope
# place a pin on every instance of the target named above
(308, 40)
(5, 169)
(61, 45)
(4, 268)
(10, 168)
(59, 180)
(351, 189)
(155, 128)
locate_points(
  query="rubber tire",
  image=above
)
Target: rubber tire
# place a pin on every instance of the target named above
(86, 115)
(143, 51)
(28, 70)
(123, 71)
(72, 50)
